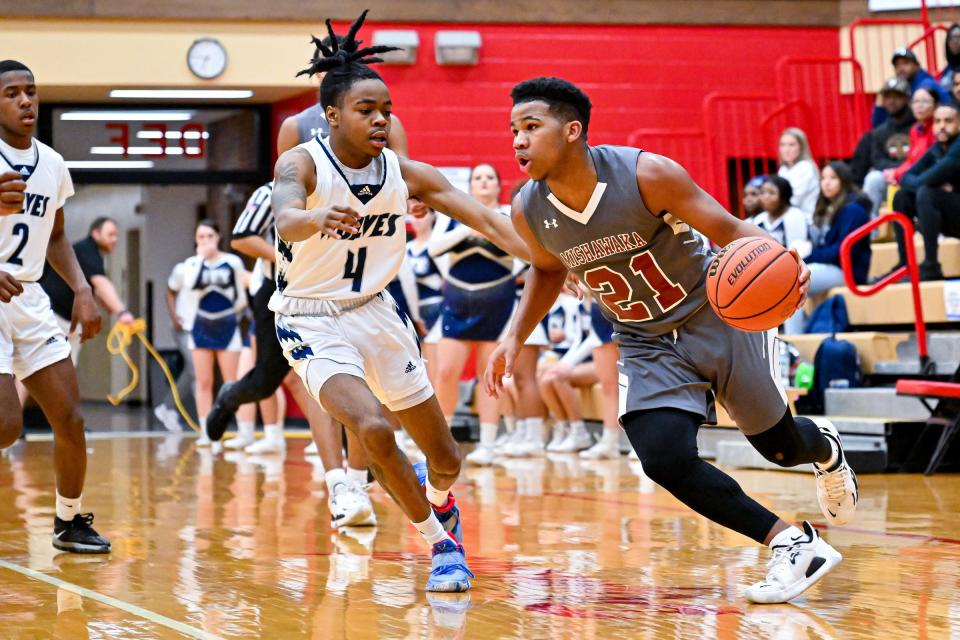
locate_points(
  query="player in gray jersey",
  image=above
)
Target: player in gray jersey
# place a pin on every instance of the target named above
(618, 218)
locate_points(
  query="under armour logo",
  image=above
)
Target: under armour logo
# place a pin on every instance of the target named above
(365, 191)
(550, 224)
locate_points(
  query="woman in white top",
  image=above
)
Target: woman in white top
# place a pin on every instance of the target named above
(798, 167)
(216, 279)
(787, 224)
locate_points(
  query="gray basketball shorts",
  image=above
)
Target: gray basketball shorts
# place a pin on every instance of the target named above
(705, 358)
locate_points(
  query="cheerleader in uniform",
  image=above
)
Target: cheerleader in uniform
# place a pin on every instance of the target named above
(216, 280)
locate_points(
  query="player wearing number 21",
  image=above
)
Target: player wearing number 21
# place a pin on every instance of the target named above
(34, 184)
(339, 204)
(618, 218)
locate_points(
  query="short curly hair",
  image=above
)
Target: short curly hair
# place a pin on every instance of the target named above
(565, 99)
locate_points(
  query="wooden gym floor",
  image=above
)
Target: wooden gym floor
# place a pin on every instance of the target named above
(241, 548)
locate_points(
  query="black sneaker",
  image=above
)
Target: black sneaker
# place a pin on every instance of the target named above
(78, 535)
(220, 414)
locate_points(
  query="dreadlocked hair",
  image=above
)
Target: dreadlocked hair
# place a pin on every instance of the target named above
(343, 61)
(565, 100)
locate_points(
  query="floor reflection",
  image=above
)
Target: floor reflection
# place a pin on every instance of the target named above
(239, 546)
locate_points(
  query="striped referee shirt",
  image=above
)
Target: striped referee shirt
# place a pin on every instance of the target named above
(257, 220)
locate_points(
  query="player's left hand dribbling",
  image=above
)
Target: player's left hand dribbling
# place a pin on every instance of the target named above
(804, 279)
(10, 287)
(500, 365)
(85, 314)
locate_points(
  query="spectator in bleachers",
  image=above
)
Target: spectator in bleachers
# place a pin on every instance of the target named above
(839, 212)
(923, 104)
(872, 155)
(786, 223)
(798, 167)
(751, 197)
(955, 91)
(907, 67)
(952, 55)
(930, 192)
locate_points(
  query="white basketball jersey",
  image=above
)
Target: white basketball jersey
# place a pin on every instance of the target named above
(24, 236)
(323, 267)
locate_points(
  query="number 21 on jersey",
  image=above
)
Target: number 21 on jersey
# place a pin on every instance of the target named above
(616, 294)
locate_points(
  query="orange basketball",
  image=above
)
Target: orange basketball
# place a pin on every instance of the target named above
(754, 284)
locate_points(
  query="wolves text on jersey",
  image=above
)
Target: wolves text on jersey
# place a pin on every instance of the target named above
(593, 250)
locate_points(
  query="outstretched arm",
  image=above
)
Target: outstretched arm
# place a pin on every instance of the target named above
(429, 185)
(295, 177)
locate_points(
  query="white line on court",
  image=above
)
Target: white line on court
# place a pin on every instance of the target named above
(156, 618)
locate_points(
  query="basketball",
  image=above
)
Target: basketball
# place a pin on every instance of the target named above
(754, 284)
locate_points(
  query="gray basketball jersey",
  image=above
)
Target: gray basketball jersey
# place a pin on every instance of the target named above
(312, 122)
(646, 271)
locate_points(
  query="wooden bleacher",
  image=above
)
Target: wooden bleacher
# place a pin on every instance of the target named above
(872, 346)
(885, 257)
(894, 305)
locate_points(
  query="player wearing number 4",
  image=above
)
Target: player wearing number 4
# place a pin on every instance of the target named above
(617, 217)
(34, 184)
(339, 204)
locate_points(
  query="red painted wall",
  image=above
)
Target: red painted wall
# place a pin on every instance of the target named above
(643, 76)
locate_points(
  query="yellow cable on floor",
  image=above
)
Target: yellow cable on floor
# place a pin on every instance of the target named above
(118, 341)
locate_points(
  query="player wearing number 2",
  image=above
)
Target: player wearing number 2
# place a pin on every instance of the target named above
(339, 204)
(617, 217)
(34, 184)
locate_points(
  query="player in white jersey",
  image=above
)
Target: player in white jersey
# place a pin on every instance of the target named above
(339, 205)
(34, 184)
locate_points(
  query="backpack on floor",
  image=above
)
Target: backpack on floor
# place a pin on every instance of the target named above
(830, 316)
(836, 364)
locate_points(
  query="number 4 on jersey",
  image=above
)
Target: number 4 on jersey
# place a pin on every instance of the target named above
(353, 269)
(616, 294)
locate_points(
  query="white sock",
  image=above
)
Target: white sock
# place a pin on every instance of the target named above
(534, 429)
(488, 433)
(510, 422)
(245, 429)
(357, 476)
(431, 529)
(577, 426)
(67, 508)
(399, 438)
(783, 538)
(436, 497)
(335, 477)
(560, 424)
(203, 424)
(521, 428)
(273, 432)
(611, 437)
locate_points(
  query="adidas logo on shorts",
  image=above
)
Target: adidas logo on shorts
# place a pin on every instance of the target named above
(51, 340)
(410, 367)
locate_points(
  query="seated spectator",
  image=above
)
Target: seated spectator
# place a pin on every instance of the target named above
(930, 192)
(840, 210)
(907, 67)
(955, 91)
(787, 224)
(923, 104)
(751, 197)
(798, 167)
(872, 155)
(952, 55)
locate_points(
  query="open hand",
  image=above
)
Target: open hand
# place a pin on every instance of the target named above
(85, 314)
(337, 220)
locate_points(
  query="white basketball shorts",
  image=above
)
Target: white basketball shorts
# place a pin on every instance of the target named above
(30, 337)
(372, 342)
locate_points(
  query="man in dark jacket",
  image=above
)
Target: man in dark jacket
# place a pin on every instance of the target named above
(872, 155)
(930, 192)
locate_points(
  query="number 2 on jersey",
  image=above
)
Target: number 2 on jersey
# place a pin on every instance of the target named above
(19, 229)
(616, 294)
(353, 269)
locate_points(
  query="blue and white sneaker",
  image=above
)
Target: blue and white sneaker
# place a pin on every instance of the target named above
(450, 572)
(448, 514)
